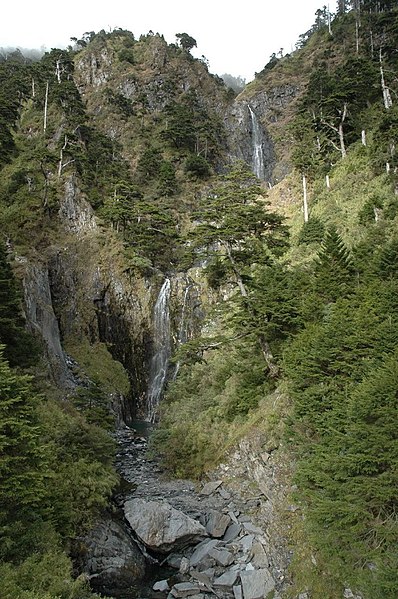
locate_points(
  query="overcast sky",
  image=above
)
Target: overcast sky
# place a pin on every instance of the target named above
(236, 37)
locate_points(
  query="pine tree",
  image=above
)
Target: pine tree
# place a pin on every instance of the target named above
(334, 270)
(20, 348)
(22, 463)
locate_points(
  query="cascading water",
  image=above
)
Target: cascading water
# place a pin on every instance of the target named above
(257, 137)
(183, 332)
(161, 356)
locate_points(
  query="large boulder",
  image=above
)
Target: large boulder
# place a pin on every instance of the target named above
(110, 557)
(160, 526)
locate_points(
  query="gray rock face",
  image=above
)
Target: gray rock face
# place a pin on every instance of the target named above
(256, 584)
(202, 551)
(43, 322)
(110, 557)
(160, 526)
(217, 523)
(185, 589)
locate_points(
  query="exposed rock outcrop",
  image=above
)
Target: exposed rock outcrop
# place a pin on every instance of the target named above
(160, 526)
(110, 558)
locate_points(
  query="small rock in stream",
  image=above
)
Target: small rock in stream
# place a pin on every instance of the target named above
(161, 585)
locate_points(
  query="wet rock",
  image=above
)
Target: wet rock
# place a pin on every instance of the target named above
(160, 526)
(256, 584)
(110, 558)
(216, 523)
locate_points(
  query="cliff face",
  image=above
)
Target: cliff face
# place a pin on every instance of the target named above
(80, 285)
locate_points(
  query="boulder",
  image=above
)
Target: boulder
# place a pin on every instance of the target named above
(110, 557)
(259, 557)
(160, 526)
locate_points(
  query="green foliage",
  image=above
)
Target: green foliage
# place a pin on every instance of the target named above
(197, 166)
(23, 463)
(149, 164)
(167, 183)
(124, 105)
(312, 231)
(342, 429)
(334, 272)
(43, 576)
(207, 397)
(127, 55)
(20, 348)
(186, 41)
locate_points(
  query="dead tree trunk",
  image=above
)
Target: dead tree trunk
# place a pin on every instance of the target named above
(339, 130)
(45, 109)
(305, 201)
(385, 90)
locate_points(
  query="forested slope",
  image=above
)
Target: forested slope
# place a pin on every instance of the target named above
(327, 309)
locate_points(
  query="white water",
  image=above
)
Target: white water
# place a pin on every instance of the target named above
(183, 332)
(161, 355)
(258, 156)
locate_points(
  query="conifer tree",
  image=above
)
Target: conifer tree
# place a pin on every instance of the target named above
(235, 223)
(334, 269)
(22, 462)
(19, 345)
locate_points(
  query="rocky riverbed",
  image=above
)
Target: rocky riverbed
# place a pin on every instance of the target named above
(181, 539)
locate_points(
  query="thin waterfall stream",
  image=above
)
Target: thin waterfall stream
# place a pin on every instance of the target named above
(162, 349)
(257, 139)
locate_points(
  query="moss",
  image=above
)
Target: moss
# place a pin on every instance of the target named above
(97, 363)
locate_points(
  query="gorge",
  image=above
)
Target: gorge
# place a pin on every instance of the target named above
(198, 388)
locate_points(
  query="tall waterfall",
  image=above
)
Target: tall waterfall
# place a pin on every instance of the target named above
(257, 137)
(161, 356)
(183, 330)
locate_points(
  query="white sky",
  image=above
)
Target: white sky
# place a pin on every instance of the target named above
(236, 36)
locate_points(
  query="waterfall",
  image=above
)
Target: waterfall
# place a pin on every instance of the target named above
(257, 139)
(161, 355)
(183, 330)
